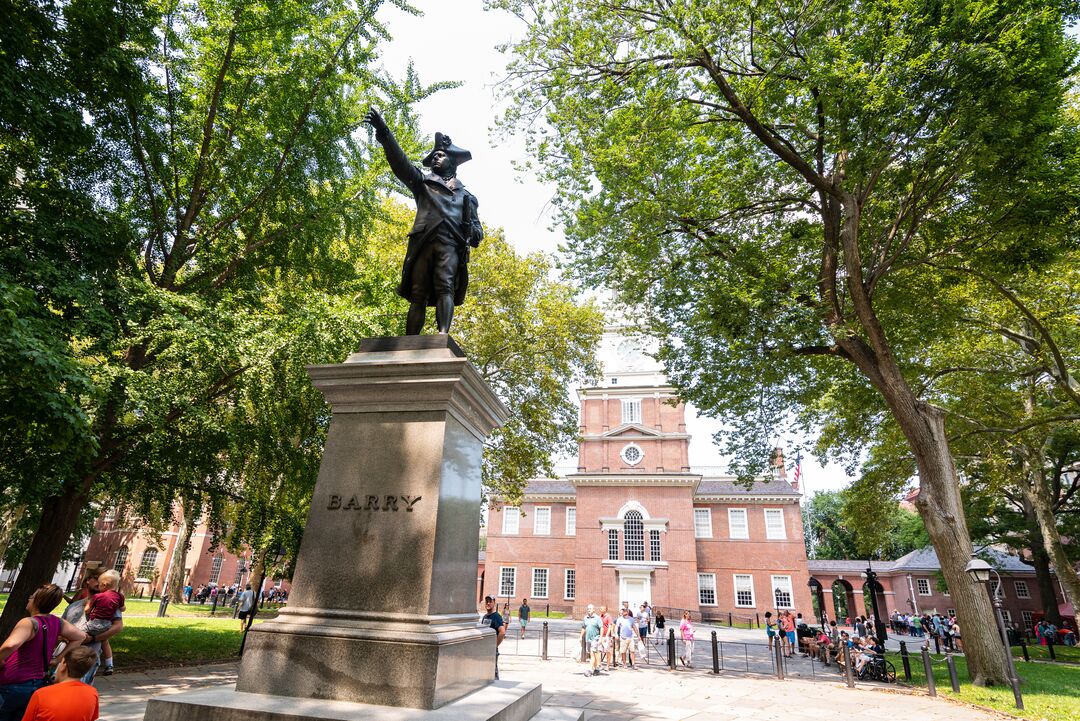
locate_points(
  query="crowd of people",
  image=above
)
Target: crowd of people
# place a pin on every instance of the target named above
(617, 640)
(943, 627)
(227, 595)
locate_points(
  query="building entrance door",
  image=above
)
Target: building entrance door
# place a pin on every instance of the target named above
(634, 590)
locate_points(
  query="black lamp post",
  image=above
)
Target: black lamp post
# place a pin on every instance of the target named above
(872, 583)
(981, 571)
(815, 588)
(279, 554)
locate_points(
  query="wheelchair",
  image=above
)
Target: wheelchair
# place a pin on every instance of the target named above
(878, 669)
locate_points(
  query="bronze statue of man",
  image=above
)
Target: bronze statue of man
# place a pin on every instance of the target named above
(436, 267)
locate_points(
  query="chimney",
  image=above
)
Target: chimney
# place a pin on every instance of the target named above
(779, 471)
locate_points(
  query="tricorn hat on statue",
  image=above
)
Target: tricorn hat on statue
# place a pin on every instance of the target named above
(443, 143)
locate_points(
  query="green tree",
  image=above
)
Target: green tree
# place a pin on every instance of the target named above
(837, 526)
(163, 165)
(774, 183)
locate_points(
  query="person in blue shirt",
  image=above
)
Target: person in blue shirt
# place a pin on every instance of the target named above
(493, 619)
(626, 629)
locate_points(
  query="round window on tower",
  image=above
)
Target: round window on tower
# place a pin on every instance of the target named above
(632, 454)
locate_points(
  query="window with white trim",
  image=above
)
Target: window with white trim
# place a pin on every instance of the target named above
(542, 521)
(631, 411)
(569, 584)
(702, 523)
(539, 583)
(1029, 620)
(1006, 616)
(654, 545)
(508, 581)
(633, 537)
(782, 593)
(511, 520)
(774, 524)
(571, 520)
(215, 568)
(737, 523)
(999, 589)
(121, 560)
(148, 562)
(612, 544)
(1022, 590)
(744, 590)
(923, 586)
(706, 588)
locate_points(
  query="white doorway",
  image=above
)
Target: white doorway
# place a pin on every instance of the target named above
(634, 586)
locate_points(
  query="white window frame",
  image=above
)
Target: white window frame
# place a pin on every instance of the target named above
(700, 587)
(735, 582)
(624, 454)
(923, 582)
(143, 564)
(1029, 620)
(703, 530)
(779, 581)
(631, 410)
(546, 574)
(511, 527)
(569, 584)
(769, 534)
(1018, 585)
(745, 523)
(513, 581)
(215, 567)
(538, 528)
(571, 520)
(121, 559)
(656, 549)
(1006, 616)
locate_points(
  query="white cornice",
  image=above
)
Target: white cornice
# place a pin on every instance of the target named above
(622, 391)
(751, 498)
(634, 567)
(558, 497)
(632, 479)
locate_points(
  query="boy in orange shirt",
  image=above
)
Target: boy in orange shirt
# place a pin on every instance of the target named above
(69, 699)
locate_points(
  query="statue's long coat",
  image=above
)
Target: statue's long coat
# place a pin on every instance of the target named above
(439, 204)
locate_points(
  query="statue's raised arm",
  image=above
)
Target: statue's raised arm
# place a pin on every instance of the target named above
(436, 267)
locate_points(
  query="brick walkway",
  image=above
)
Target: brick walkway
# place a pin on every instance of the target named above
(645, 694)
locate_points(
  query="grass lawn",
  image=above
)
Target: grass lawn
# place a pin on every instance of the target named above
(1070, 654)
(1050, 691)
(147, 642)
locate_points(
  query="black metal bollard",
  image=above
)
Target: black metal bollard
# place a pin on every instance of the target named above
(929, 669)
(584, 649)
(729, 620)
(141, 591)
(153, 592)
(757, 620)
(163, 605)
(715, 655)
(671, 649)
(951, 663)
(1024, 649)
(1050, 650)
(779, 654)
(544, 643)
(906, 661)
(547, 610)
(849, 676)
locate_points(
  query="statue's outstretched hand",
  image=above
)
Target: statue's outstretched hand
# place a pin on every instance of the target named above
(375, 120)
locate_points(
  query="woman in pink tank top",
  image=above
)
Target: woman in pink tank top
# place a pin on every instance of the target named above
(28, 652)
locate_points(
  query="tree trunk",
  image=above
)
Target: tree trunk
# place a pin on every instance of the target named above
(1041, 561)
(1038, 495)
(59, 517)
(175, 582)
(942, 511)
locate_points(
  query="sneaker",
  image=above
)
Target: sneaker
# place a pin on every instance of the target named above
(108, 671)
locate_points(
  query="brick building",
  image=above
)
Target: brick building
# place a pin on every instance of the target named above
(142, 557)
(635, 522)
(913, 584)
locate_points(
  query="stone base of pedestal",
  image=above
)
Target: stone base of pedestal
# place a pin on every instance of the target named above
(422, 662)
(498, 701)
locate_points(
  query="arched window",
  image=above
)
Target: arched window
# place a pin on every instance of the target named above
(215, 568)
(149, 561)
(121, 560)
(633, 537)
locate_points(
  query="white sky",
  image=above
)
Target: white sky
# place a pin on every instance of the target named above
(519, 205)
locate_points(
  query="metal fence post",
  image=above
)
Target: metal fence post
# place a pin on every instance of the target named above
(544, 643)
(779, 660)
(906, 660)
(929, 669)
(730, 624)
(584, 650)
(757, 620)
(1024, 649)
(715, 655)
(951, 663)
(163, 605)
(671, 649)
(1050, 650)
(849, 676)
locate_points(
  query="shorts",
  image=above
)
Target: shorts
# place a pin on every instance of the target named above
(242, 615)
(524, 622)
(791, 636)
(605, 643)
(595, 645)
(625, 645)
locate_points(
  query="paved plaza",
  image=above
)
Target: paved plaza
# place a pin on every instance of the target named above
(646, 693)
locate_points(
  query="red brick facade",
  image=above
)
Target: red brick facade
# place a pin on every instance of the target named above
(634, 488)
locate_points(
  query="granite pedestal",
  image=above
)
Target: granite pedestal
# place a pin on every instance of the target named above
(383, 602)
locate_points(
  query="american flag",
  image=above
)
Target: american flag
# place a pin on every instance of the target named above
(798, 466)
